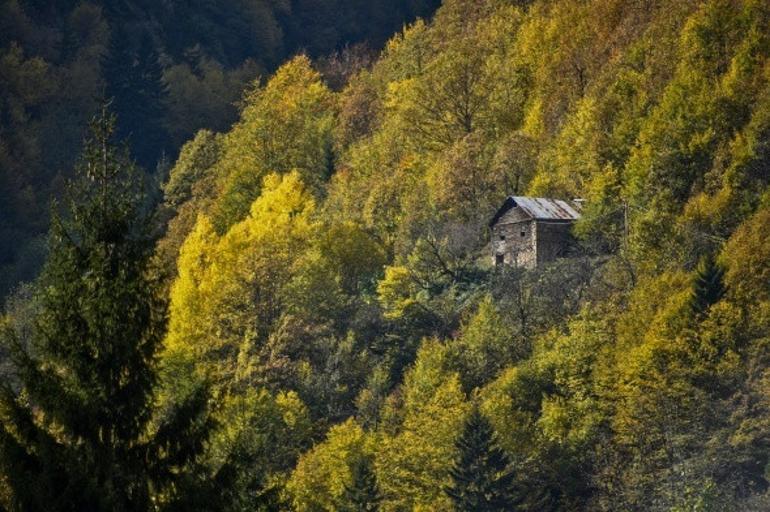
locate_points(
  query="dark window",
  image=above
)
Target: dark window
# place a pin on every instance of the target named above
(499, 259)
(523, 233)
(502, 237)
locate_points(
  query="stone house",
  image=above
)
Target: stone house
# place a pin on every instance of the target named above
(529, 231)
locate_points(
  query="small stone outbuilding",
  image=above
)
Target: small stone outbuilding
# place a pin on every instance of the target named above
(529, 231)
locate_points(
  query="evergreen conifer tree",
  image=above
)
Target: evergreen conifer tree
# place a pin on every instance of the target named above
(138, 92)
(708, 286)
(78, 431)
(482, 478)
(362, 494)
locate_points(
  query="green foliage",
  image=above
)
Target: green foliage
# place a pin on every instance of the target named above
(485, 346)
(744, 255)
(188, 192)
(482, 477)
(548, 410)
(195, 159)
(708, 286)
(173, 68)
(77, 424)
(204, 93)
(362, 494)
(619, 379)
(325, 473)
(259, 439)
(138, 95)
(612, 378)
(416, 450)
(285, 126)
(228, 297)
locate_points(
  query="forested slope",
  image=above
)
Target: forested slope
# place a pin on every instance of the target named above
(327, 270)
(171, 68)
(332, 246)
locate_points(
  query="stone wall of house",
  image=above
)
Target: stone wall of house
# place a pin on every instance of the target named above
(513, 215)
(553, 240)
(522, 242)
(515, 243)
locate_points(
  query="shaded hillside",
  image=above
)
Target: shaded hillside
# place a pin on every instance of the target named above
(172, 68)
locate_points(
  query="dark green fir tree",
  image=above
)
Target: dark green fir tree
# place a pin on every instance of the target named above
(362, 494)
(482, 477)
(78, 430)
(708, 286)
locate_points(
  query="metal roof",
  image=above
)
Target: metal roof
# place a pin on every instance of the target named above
(542, 208)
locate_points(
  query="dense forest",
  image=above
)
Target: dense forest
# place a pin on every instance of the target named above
(307, 316)
(170, 68)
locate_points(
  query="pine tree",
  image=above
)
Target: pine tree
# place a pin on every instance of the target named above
(77, 426)
(482, 478)
(362, 494)
(708, 286)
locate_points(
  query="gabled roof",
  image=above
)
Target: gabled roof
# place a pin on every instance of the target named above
(539, 208)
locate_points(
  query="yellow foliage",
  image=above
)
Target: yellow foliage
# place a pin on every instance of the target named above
(655, 306)
(747, 257)
(285, 126)
(271, 429)
(508, 404)
(413, 464)
(320, 477)
(188, 307)
(228, 289)
(393, 291)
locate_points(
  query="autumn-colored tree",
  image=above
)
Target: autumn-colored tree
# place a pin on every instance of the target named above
(323, 474)
(285, 126)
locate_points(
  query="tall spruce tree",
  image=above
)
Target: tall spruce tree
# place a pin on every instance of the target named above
(362, 494)
(77, 427)
(482, 477)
